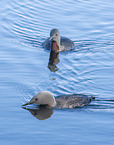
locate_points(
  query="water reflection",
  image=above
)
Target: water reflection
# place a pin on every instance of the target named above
(53, 61)
(42, 112)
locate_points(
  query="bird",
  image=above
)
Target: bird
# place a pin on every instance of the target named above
(62, 101)
(58, 43)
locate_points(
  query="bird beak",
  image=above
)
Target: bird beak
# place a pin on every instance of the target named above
(30, 102)
(26, 104)
(50, 38)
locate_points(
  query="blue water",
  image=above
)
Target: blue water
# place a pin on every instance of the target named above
(87, 69)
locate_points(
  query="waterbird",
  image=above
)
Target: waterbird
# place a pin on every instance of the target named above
(62, 101)
(58, 43)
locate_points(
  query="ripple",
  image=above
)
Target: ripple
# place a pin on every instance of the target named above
(34, 20)
(85, 69)
(102, 105)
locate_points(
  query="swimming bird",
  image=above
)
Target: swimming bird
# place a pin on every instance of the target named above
(62, 101)
(57, 43)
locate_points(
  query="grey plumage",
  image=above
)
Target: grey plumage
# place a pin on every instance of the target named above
(64, 43)
(72, 101)
(63, 101)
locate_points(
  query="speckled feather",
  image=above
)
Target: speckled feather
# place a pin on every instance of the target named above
(72, 101)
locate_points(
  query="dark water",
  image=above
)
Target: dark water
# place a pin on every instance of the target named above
(88, 69)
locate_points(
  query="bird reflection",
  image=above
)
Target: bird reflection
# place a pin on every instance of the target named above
(41, 113)
(53, 61)
(54, 58)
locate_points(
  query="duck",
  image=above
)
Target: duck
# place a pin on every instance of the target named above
(58, 43)
(62, 101)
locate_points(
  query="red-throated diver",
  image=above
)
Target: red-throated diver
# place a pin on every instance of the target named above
(61, 43)
(63, 101)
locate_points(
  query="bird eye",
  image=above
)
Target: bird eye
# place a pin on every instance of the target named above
(36, 99)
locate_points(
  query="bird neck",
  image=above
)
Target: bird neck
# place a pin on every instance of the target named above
(55, 46)
(52, 102)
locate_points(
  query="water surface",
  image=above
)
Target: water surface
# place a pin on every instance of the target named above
(88, 69)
